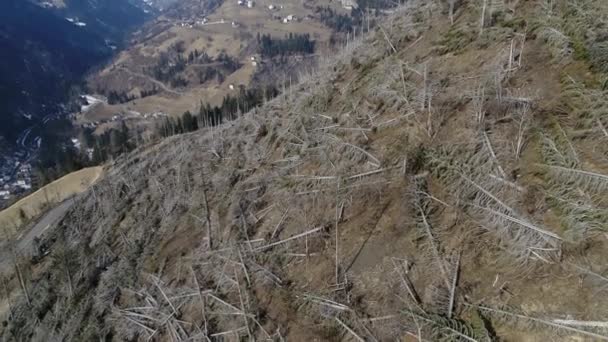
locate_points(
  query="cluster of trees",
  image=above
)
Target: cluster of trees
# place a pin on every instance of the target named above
(336, 21)
(199, 57)
(291, 44)
(230, 109)
(171, 64)
(172, 126)
(111, 143)
(167, 68)
(377, 4)
(146, 93)
(115, 97)
(228, 65)
(58, 156)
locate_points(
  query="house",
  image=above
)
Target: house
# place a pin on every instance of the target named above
(289, 18)
(250, 3)
(241, 2)
(349, 4)
(254, 63)
(22, 184)
(231, 86)
(271, 7)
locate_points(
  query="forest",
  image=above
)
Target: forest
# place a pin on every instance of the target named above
(230, 109)
(292, 44)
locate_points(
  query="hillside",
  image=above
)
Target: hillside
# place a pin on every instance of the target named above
(200, 51)
(48, 196)
(45, 51)
(442, 178)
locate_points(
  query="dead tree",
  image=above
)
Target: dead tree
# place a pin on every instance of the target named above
(21, 277)
(8, 296)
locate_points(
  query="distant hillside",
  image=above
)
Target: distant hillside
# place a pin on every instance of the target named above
(45, 51)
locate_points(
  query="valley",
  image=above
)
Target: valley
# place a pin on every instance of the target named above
(46, 48)
(218, 51)
(189, 55)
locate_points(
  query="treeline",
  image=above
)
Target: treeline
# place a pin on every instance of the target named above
(199, 57)
(292, 44)
(227, 66)
(377, 5)
(146, 93)
(167, 69)
(171, 64)
(336, 21)
(115, 97)
(110, 144)
(59, 156)
(56, 156)
(230, 109)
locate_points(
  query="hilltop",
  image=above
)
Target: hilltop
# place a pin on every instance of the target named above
(442, 178)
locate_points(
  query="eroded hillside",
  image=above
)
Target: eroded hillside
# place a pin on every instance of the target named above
(437, 181)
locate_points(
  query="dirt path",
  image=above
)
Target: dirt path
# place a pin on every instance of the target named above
(25, 239)
(157, 82)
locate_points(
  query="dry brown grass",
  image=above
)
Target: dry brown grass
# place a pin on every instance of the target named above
(49, 195)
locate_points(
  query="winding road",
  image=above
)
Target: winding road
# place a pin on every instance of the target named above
(23, 243)
(157, 82)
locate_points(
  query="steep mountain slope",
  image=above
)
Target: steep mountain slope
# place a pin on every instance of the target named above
(435, 181)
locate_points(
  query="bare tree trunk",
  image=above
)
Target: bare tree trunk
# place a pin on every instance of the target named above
(337, 233)
(452, 5)
(367, 19)
(21, 279)
(424, 91)
(8, 298)
(207, 219)
(483, 17)
(68, 275)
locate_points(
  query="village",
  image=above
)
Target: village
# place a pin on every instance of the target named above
(15, 177)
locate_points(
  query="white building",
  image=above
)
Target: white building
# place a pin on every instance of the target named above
(250, 3)
(349, 4)
(271, 7)
(76, 143)
(22, 184)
